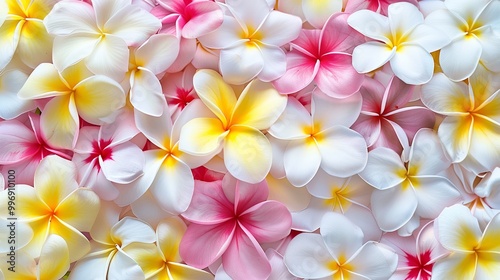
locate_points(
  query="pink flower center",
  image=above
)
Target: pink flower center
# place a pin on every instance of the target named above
(419, 266)
(100, 149)
(182, 99)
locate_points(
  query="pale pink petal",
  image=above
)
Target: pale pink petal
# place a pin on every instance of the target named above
(158, 53)
(241, 63)
(146, 94)
(274, 66)
(310, 247)
(201, 245)
(336, 76)
(394, 207)
(109, 57)
(280, 28)
(375, 261)
(343, 151)
(396, 95)
(338, 36)
(342, 238)
(70, 18)
(300, 72)
(125, 165)
(210, 205)
(433, 194)
(411, 119)
(346, 110)
(302, 160)
(457, 229)
(383, 161)
(412, 64)
(242, 194)
(244, 258)
(17, 143)
(446, 97)
(454, 64)
(187, 52)
(205, 17)
(268, 221)
(370, 56)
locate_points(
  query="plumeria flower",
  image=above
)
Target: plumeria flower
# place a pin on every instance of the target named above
(323, 56)
(385, 119)
(105, 155)
(53, 262)
(250, 38)
(379, 6)
(236, 125)
(474, 29)
(110, 237)
(316, 13)
(321, 140)
(12, 79)
(22, 147)
(338, 252)
(417, 253)
(233, 217)
(75, 93)
(470, 129)
(98, 34)
(53, 206)
(162, 260)
(402, 38)
(474, 251)
(407, 189)
(22, 31)
(178, 89)
(167, 183)
(147, 62)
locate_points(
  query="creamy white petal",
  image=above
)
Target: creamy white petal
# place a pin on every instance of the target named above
(412, 64)
(382, 169)
(454, 63)
(371, 55)
(302, 160)
(307, 256)
(394, 207)
(458, 229)
(241, 63)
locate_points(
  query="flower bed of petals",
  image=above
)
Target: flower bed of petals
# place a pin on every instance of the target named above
(249, 139)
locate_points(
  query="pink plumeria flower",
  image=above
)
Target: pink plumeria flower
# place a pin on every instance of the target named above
(339, 252)
(105, 155)
(402, 39)
(22, 147)
(179, 90)
(379, 6)
(250, 38)
(323, 56)
(475, 250)
(416, 253)
(385, 119)
(233, 217)
(473, 28)
(321, 140)
(407, 189)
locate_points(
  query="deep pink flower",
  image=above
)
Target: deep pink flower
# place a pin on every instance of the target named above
(323, 56)
(385, 119)
(229, 219)
(178, 89)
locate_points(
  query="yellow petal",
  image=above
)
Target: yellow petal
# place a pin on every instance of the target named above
(147, 256)
(28, 207)
(40, 8)
(78, 245)
(169, 234)
(41, 230)
(43, 82)
(202, 136)
(35, 44)
(259, 105)
(75, 74)
(215, 93)
(59, 122)
(54, 259)
(70, 208)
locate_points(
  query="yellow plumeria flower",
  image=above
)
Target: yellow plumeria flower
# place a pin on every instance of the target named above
(76, 92)
(236, 126)
(475, 254)
(162, 261)
(55, 205)
(22, 29)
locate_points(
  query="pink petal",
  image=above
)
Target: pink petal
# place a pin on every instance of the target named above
(244, 195)
(369, 127)
(300, 72)
(411, 119)
(396, 95)
(338, 36)
(268, 221)
(203, 17)
(337, 77)
(245, 259)
(17, 142)
(201, 245)
(209, 204)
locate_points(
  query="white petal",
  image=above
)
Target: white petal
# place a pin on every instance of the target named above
(404, 17)
(443, 96)
(10, 32)
(69, 50)
(375, 261)
(280, 28)
(455, 266)
(346, 110)
(129, 230)
(148, 210)
(307, 256)
(302, 160)
(429, 37)
(382, 169)
(106, 9)
(158, 53)
(156, 129)
(54, 258)
(371, 25)
(251, 14)
(110, 57)
(291, 123)
(124, 267)
(370, 56)
(11, 105)
(274, 66)
(455, 134)
(456, 65)
(318, 12)
(94, 267)
(450, 24)
(412, 64)
(457, 229)
(342, 238)
(241, 63)
(394, 207)
(433, 194)
(44, 81)
(70, 18)
(60, 122)
(225, 36)
(343, 151)
(146, 94)
(466, 9)
(23, 232)
(125, 165)
(425, 143)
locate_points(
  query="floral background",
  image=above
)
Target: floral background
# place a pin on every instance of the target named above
(249, 139)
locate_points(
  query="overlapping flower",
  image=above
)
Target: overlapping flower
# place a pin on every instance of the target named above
(250, 139)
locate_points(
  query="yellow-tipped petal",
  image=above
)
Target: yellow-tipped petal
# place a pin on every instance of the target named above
(218, 96)
(259, 105)
(43, 82)
(182, 271)
(147, 256)
(169, 234)
(29, 207)
(78, 244)
(59, 122)
(54, 259)
(40, 8)
(69, 210)
(35, 44)
(202, 136)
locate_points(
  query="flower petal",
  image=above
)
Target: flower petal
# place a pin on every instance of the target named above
(371, 24)
(412, 64)
(81, 198)
(346, 110)
(10, 32)
(274, 66)
(300, 72)
(210, 204)
(250, 14)
(110, 57)
(290, 125)
(307, 256)
(426, 142)
(444, 96)
(241, 62)
(43, 82)
(318, 12)
(125, 165)
(280, 28)
(336, 76)
(457, 66)
(342, 238)
(268, 221)
(168, 235)
(457, 229)
(16, 142)
(455, 134)
(202, 136)
(182, 271)
(224, 36)
(123, 266)
(433, 194)
(129, 230)
(206, 17)
(370, 56)
(162, 46)
(300, 172)
(455, 266)
(146, 94)
(69, 50)
(375, 261)
(54, 258)
(34, 51)
(394, 207)
(69, 18)
(13, 106)
(383, 161)
(78, 244)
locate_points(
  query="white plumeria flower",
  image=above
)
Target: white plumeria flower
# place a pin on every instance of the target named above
(475, 252)
(110, 237)
(99, 34)
(147, 62)
(408, 190)
(320, 140)
(474, 28)
(250, 38)
(12, 79)
(339, 253)
(402, 39)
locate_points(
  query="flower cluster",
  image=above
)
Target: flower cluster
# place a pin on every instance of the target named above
(249, 139)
